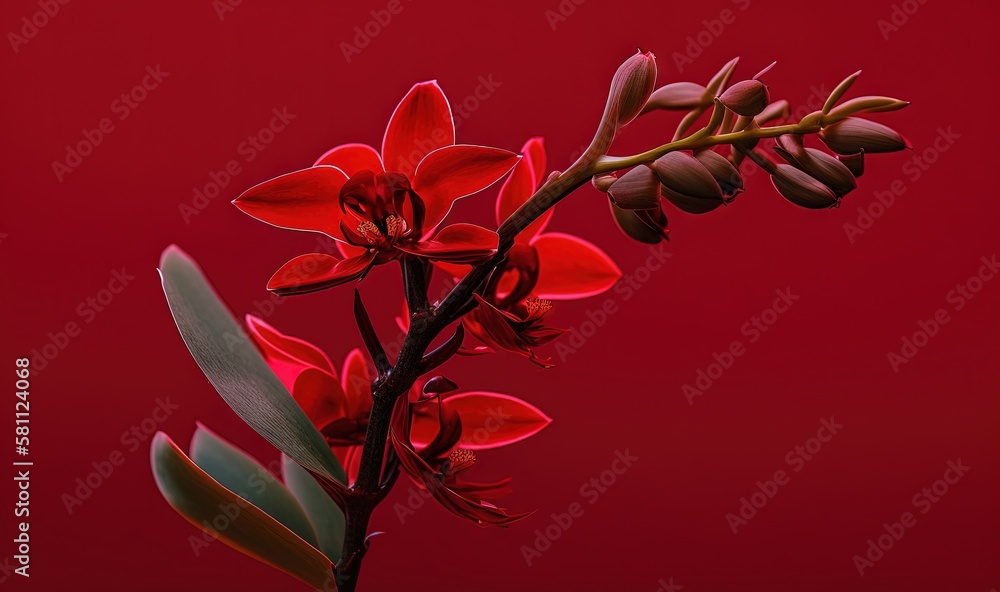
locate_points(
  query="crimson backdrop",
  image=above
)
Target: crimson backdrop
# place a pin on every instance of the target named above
(547, 64)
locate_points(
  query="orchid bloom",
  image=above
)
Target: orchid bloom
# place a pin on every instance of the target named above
(540, 267)
(383, 205)
(443, 430)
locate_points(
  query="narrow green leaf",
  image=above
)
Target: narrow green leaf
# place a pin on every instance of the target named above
(243, 475)
(236, 369)
(326, 516)
(203, 502)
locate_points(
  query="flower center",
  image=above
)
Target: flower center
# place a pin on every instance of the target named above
(380, 210)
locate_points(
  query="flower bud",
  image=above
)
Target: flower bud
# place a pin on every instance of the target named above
(645, 226)
(819, 165)
(747, 97)
(603, 182)
(687, 183)
(638, 189)
(854, 162)
(852, 135)
(678, 95)
(801, 189)
(631, 87)
(726, 175)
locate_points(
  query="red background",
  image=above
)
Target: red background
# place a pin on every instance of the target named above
(666, 516)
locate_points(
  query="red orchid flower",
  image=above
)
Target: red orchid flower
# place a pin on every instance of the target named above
(386, 205)
(540, 267)
(440, 476)
(339, 406)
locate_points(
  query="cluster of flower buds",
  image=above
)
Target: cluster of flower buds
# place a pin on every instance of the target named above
(696, 179)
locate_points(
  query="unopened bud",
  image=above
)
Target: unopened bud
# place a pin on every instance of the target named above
(645, 226)
(854, 162)
(603, 182)
(747, 97)
(822, 167)
(638, 189)
(687, 183)
(631, 87)
(801, 189)
(678, 95)
(852, 135)
(725, 174)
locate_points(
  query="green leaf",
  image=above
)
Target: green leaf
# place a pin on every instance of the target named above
(236, 369)
(326, 516)
(205, 503)
(247, 478)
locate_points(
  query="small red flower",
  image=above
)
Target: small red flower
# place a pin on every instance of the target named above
(383, 205)
(340, 405)
(540, 267)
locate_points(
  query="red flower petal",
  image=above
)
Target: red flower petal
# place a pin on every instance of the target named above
(320, 395)
(422, 122)
(277, 344)
(454, 172)
(317, 271)
(357, 385)
(301, 200)
(571, 268)
(458, 243)
(525, 177)
(482, 513)
(352, 158)
(491, 420)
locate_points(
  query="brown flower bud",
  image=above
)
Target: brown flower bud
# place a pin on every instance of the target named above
(726, 175)
(631, 87)
(645, 226)
(852, 135)
(678, 95)
(817, 164)
(638, 189)
(747, 97)
(801, 189)
(854, 162)
(687, 183)
(603, 182)
(867, 104)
